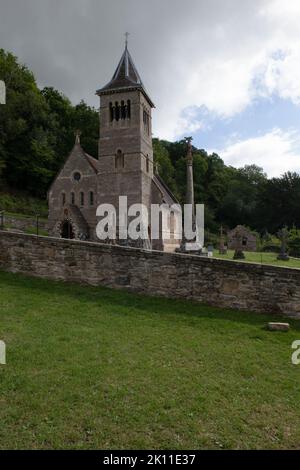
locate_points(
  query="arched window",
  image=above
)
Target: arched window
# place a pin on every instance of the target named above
(91, 198)
(123, 110)
(82, 199)
(63, 198)
(147, 163)
(111, 112)
(146, 121)
(117, 111)
(128, 109)
(72, 198)
(119, 160)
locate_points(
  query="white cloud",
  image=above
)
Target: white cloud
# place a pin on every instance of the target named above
(244, 52)
(276, 152)
(218, 54)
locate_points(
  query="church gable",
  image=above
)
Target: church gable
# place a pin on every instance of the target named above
(74, 189)
(77, 162)
(80, 161)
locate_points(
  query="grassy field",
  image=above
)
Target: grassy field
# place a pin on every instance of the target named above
(96, 368)
(262, 258)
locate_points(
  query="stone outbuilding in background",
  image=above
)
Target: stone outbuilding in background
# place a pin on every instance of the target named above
(247, 238)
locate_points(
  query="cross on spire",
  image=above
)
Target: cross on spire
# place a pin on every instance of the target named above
(126, 39)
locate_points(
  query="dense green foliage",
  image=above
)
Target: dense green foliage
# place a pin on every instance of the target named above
(22, 203)
(232, 196)
(37, 133)
(37, 129)
(90, 368)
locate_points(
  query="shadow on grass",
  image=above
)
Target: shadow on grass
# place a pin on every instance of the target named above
(165, 307)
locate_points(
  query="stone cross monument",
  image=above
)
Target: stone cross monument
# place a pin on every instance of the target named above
(190, 246)
(189, 174)
(238, 253)
(283, 236)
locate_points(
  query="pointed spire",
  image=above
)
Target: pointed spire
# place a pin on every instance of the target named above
(126, 72)
(126, 76)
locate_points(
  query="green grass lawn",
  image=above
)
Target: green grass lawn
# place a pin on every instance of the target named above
(97, 368)
(262, 258)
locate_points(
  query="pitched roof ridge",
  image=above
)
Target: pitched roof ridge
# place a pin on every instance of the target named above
(91, 156)
(91, 160)
(165, 187)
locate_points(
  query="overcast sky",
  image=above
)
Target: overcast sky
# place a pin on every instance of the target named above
(225, 71)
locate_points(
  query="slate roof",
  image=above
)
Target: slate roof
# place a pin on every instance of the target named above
(168, 196)
(92, 161)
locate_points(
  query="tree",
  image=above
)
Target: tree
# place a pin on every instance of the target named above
(25, 141)
(37, 129)
(65, 119)
(164, 165)
(37, 134)
(279, 202)
(86, 119)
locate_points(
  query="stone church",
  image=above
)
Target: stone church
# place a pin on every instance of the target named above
(124, 166)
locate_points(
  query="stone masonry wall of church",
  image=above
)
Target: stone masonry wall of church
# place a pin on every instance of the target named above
(216, 282)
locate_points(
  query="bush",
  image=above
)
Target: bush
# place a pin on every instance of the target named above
(21, 203)
(294, 246)
(271, 248)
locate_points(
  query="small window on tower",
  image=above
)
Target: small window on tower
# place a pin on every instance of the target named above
(111, 112)
(63, 198)
(91, 198)
(82, 199)
(146, 121)
(123, 110)
(119, 160)
(128, 109)
(72, 198)
(117, 111)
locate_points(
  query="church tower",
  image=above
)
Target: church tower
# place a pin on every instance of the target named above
(125, 143)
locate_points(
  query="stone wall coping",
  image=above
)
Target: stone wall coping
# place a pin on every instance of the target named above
(194, 259)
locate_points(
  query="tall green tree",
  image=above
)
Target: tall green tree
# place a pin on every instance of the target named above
(242, 198)
(279, 203)
(164, 165)
(24, 132)
(37, 129)
(65, 119)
